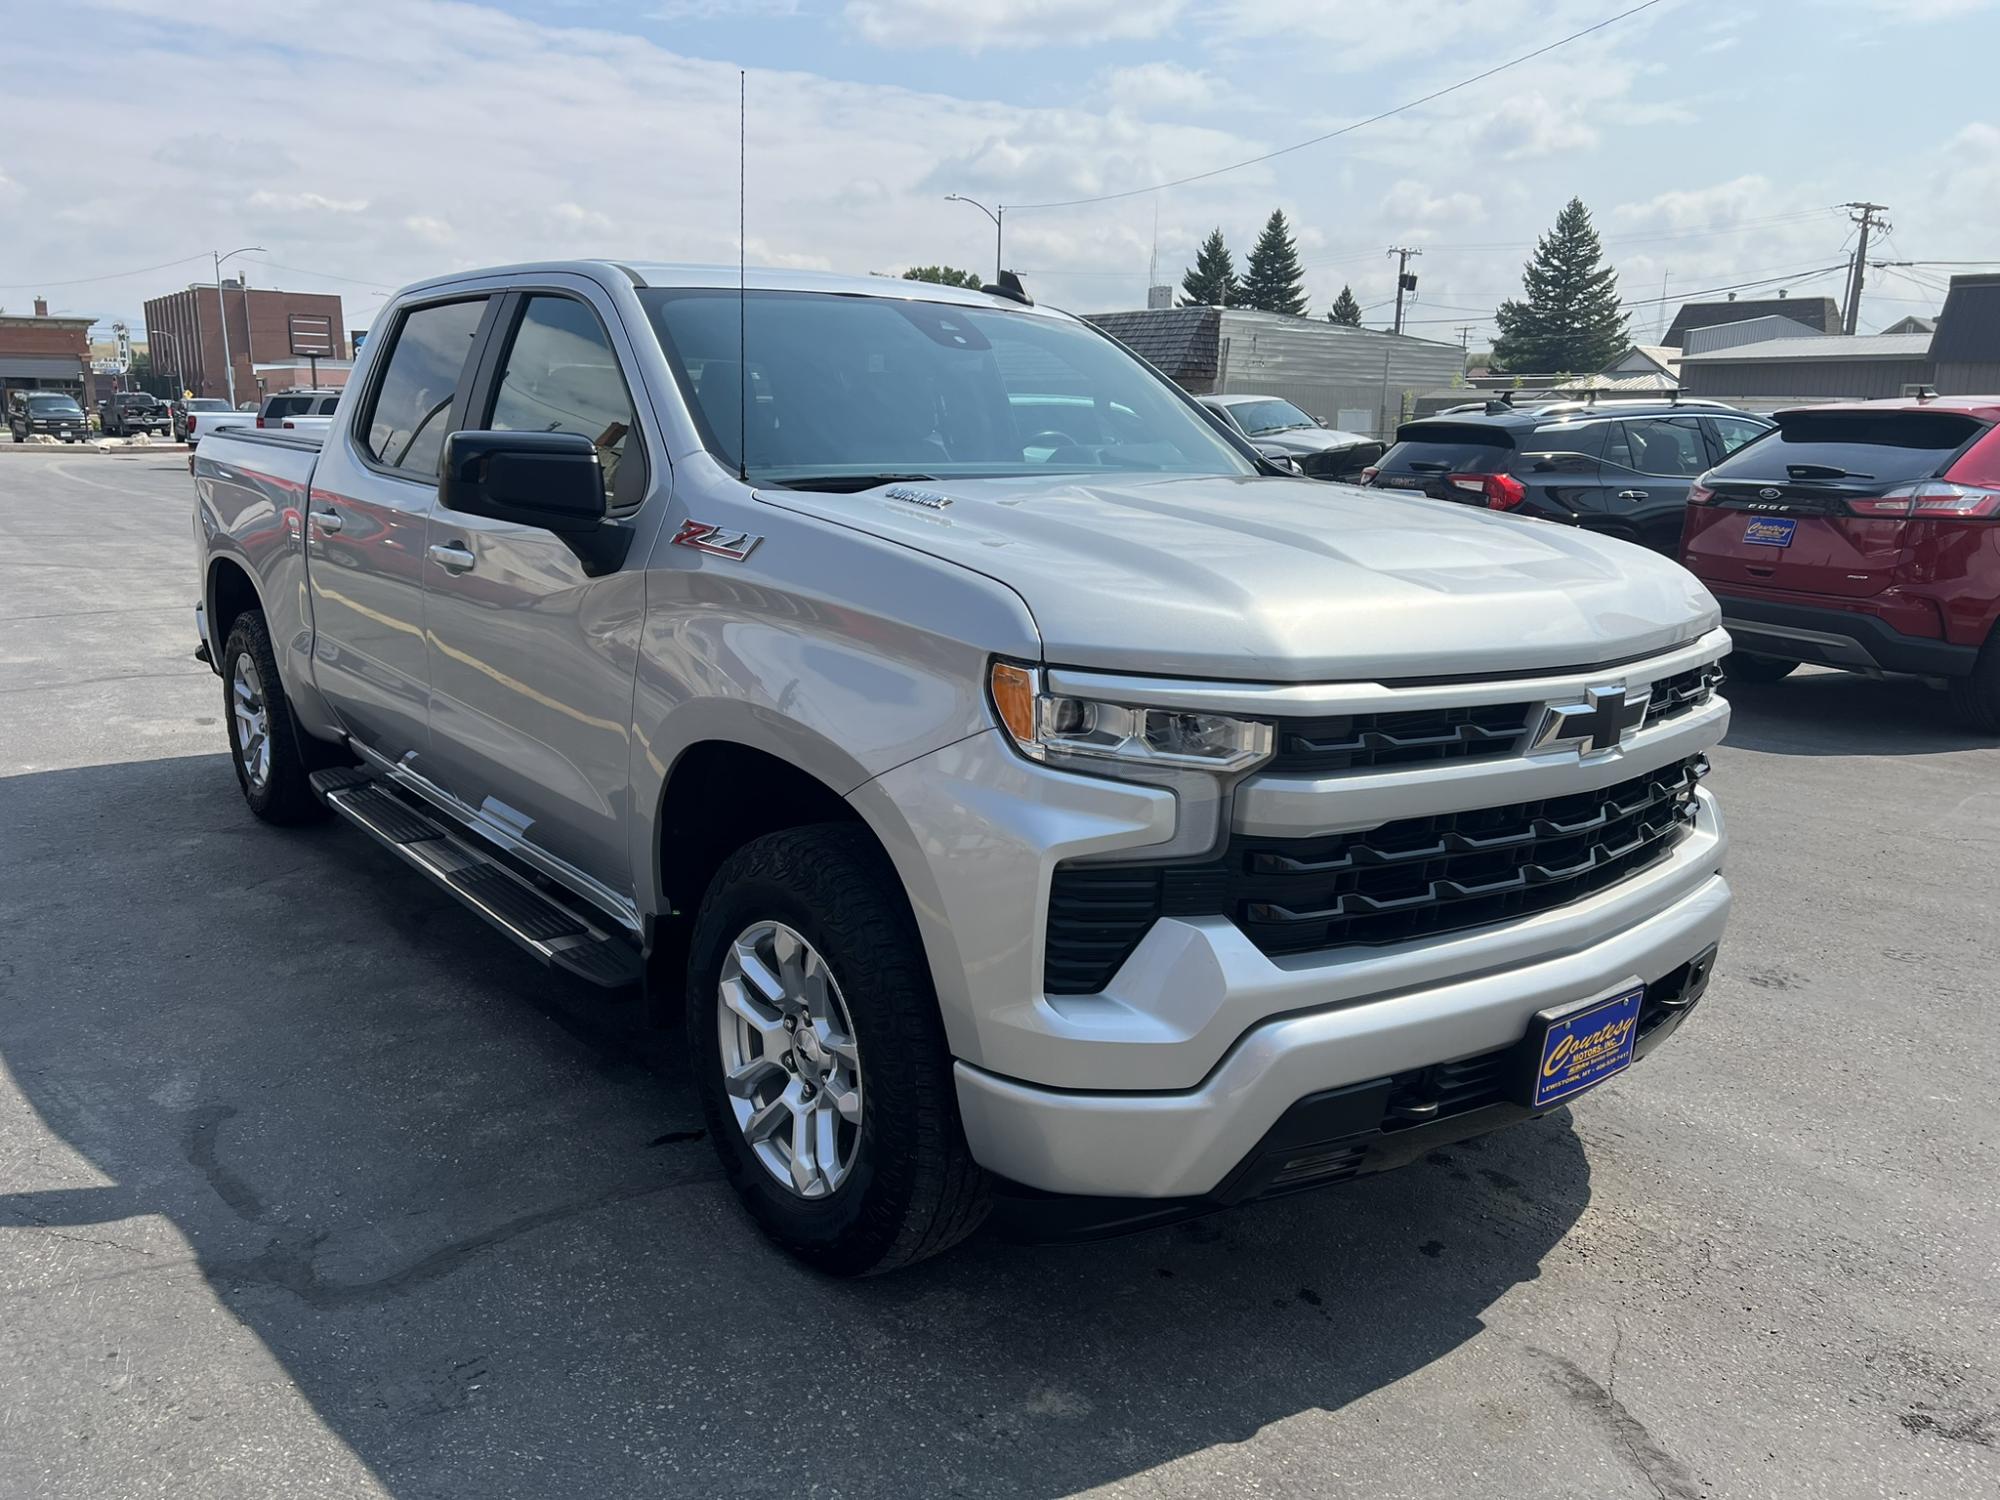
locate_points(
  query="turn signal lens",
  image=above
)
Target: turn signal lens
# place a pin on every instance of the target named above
(1014, 692)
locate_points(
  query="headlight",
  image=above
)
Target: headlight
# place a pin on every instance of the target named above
(1050, 727)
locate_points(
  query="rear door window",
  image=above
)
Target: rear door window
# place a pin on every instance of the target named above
(412, 406)
(1669, 447)
(1562, 448)
(1891, 447)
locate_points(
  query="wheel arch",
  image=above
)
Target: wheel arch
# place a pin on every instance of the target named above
(720, 793)
(229, 592)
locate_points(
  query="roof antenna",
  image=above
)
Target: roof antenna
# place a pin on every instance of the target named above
(742, 339)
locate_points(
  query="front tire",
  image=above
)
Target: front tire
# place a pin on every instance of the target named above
(1745, 668)
(816, 1044)
(264, 742)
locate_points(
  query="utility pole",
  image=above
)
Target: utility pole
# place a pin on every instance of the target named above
(1865, 215)
(1665, 277)
(1406, 280)
(1465, 337)
(222, 317)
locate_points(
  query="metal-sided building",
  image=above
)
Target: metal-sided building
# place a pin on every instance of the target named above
(1356, 379)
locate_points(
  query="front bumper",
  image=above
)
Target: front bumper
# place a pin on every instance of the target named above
(1828, 635)
(1198, 1142)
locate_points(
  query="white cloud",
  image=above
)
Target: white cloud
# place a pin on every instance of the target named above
(1144, 88)
(306, 203)
(975, 25)
(1532, 124)
(431, 231)
(1411, 205)
(722, 10)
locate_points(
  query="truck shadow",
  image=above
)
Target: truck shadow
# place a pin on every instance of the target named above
(472, 1215)
(1819, 712)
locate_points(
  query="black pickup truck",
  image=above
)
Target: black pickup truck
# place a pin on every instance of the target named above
(133, 411)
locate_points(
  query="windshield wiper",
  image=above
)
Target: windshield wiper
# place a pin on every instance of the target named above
(1822, 471)
(848, 484)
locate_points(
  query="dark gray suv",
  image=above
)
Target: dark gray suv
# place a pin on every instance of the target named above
(1621, 468)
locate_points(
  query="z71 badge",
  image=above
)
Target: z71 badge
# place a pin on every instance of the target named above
(706, 536)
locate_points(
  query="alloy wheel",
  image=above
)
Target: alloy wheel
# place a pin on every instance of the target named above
(253, 721)
(790, 1064)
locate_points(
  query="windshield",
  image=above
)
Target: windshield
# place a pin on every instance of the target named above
(857, 386)
(54, 406)
(1260, 417)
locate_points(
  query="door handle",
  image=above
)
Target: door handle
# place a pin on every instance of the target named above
(452, 557)
(1633, 494)
(329, 520)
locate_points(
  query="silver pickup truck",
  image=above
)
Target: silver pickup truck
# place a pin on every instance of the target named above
(1022, 794)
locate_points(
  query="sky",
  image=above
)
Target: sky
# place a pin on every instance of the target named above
(364, 145)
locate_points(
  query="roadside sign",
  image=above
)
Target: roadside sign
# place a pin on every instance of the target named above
(312, 335)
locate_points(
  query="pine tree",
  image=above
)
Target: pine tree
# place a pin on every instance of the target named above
(1273, 280)
(1211, 280)
(1569, 321)
(1345, 309)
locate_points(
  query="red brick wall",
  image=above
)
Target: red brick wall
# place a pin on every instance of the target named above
(193, 333)
(25, 338)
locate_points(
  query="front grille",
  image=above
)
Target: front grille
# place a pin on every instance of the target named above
(1682, 691)
(1406, 737)
(1419, 877)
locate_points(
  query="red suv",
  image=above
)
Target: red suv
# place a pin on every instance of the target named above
(1865, 536)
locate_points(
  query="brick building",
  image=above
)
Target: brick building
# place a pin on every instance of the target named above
(184, 335)
(45, 353)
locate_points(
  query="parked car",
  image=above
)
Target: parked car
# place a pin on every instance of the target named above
(187, 410)
(282, 404)
(46, 414)
(126, 412)
(1864, 536)
(1620, 468)
(1278, 429)
(1105, 828)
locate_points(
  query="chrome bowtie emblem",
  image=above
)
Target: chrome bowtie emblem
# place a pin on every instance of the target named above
(1597, 725)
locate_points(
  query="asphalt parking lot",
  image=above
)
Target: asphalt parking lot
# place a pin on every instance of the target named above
(310, 1187)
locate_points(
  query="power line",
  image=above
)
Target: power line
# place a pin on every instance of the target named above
(373, 286)
(1435, 94)
(23, 286)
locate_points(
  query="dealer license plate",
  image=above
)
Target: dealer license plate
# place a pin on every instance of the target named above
(1582, 1048)
(1770, 533)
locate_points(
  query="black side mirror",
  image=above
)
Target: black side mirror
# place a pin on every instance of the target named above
(550, 480)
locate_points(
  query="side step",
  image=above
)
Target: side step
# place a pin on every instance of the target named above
(560, 935)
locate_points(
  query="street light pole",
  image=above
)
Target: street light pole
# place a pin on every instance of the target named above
(997, 215)
(222, 317)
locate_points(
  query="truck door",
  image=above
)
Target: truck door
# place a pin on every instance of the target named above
(532, 660)
(372, 489)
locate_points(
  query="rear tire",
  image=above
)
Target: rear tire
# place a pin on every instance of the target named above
(264, 741)
(1976, 698)
(895, 1184)
(1745, 668)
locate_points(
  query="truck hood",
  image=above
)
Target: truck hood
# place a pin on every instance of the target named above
(1286, 580)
